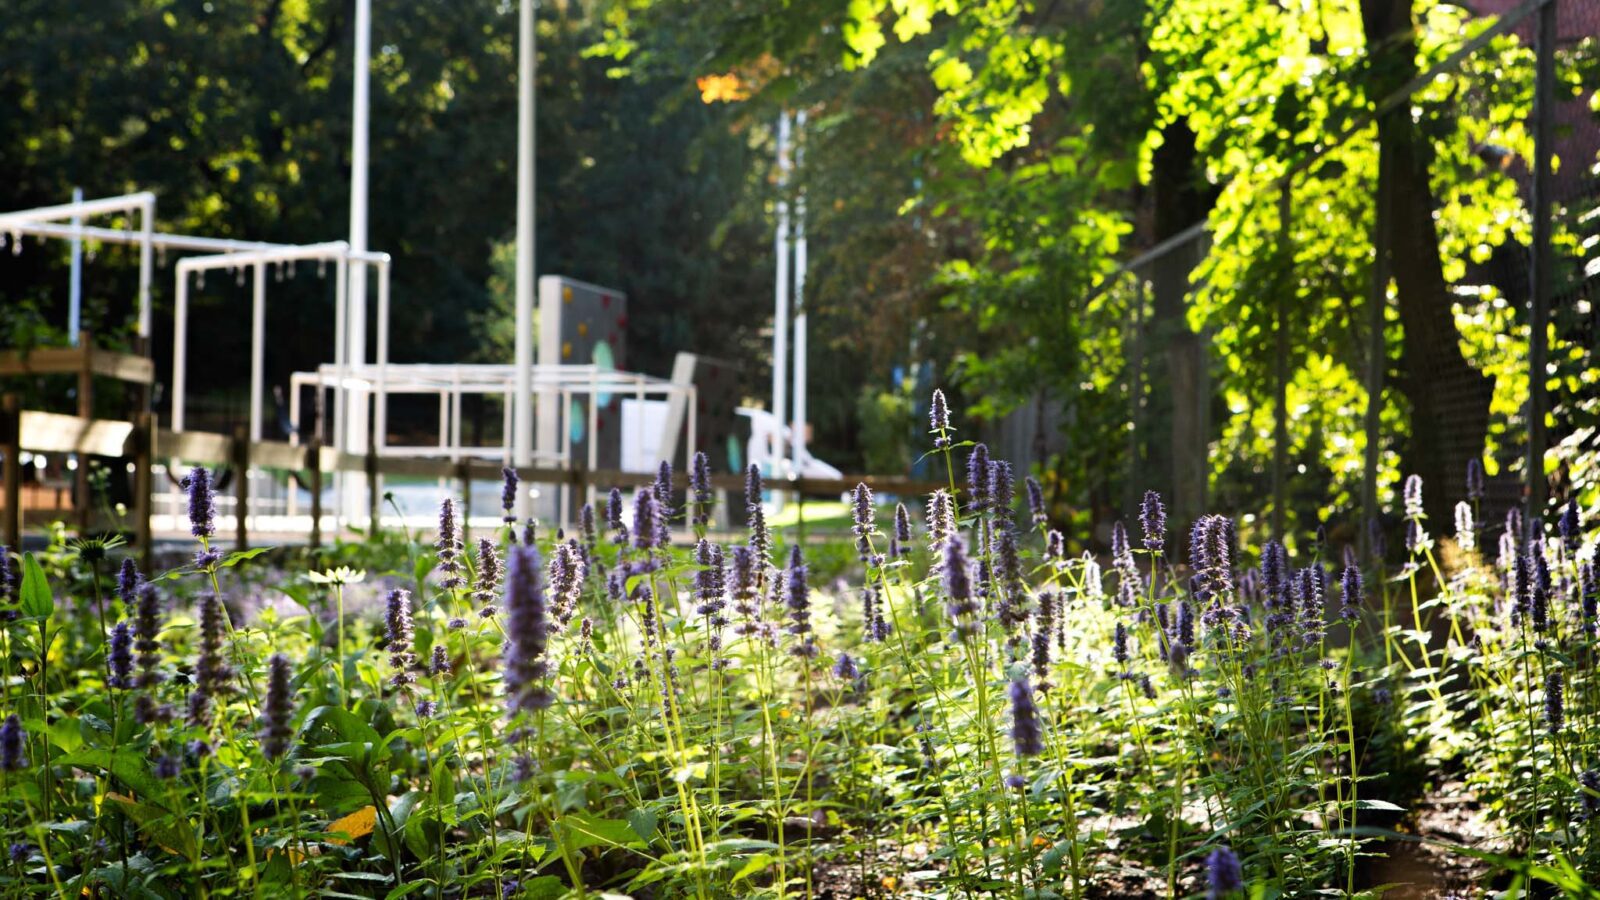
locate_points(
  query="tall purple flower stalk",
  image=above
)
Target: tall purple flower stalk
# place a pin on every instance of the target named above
(664, 508)
(1037, 512)
(797, 596)
(941, 519)
(567, 575)
(119, 656)
(439, 662)
(900, 542)
(527, 633)
(586, 531)
(1210, 553)
(700, 486)
(1153, 521)
(128, 581)
(277, 709)
(1224, 875)
(146, 630)
(489, 572)
(956, 575)
(211, 672)
(619, 529)
(1002, 484)
(978, 476)
(202, 503)
(508, 495)
(746, 593)
(1044, 620)
(7, 577)
(449, 546)
(398, 638)
(1555, 710)
(874, 628)
(646, 515)
(1570, 526)
(1412, 496)
(1027, 736)
(760, 537)
(863, 525)
(1474, 480)
(710, 588)
(12, 738)
(1350, 591)
(939, 420)
(1466, 529)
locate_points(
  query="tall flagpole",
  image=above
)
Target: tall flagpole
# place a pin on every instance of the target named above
(797, 430)
(522, 411)
(780, 312)
(354, 440)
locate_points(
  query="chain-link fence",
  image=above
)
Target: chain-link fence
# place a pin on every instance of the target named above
(1409, 256)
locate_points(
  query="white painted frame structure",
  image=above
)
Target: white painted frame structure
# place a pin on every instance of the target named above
(40, 221)
(450, 382)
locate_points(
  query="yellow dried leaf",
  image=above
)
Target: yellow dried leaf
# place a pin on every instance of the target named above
(358, 824)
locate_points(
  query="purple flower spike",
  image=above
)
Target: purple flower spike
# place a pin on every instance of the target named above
(202, 503)
(1224, 875)
(1026, 733)
(527, 633)
(508, 494)
(277, 709)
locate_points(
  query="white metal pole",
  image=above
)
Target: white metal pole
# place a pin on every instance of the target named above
(147, 226)
(75, 284)
(380, 413)
(258, 346)
(522, 411)
(180, 348)
(341, 318)
(797, 430)
(355, 419)
(780, 313)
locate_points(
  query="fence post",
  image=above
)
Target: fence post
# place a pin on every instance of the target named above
(241, 486)
(372, 489)
(1280, 355)
(83, 506)
(144, 442)
(464, 475)
(1541, 258)
(11, 445)
(314, 463)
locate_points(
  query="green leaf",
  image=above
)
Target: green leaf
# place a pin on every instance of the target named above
(755, 864)
(126, 766)
(643, 822)
(66, 734)
(36, 601)
(582, 830)
(545, 887)
(168, 831)
(1379, 804)
(337, 722)
(239, 556)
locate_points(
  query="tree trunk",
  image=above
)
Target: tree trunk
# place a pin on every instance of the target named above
(1176, 449)
(1449, 398)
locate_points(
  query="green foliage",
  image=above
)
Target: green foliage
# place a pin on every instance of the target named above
(888, 426)
(703, 744)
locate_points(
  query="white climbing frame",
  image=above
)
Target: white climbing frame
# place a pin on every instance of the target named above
(144, 203)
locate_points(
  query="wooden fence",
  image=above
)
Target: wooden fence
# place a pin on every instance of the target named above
(144, 442)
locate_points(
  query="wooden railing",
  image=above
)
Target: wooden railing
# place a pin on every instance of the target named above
(144, 442)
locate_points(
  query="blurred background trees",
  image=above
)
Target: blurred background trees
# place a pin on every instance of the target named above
(974, 174)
